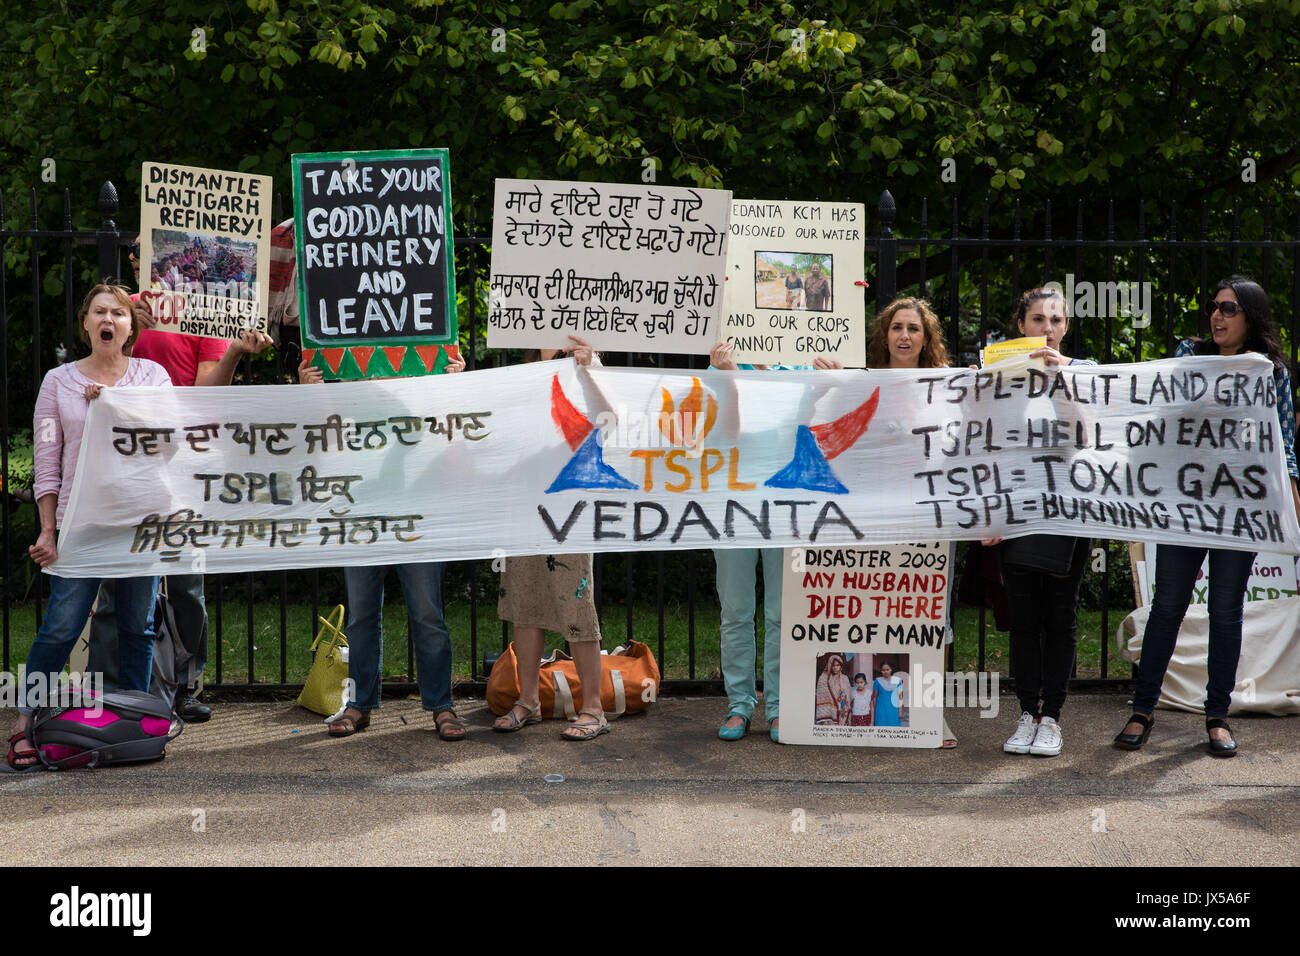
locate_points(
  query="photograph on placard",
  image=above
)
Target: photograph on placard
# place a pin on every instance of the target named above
(205, 246)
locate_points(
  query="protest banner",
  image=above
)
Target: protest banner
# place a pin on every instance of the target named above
(862, 632)
(792, 290)
(625, 267)
(376, 266)
(549, 457)
(205, 249)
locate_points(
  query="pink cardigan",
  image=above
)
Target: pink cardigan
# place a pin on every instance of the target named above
(60, 420)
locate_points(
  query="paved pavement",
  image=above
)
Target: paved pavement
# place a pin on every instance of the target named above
(264, 784)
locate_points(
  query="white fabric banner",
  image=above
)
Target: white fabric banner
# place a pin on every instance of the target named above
(549, 457)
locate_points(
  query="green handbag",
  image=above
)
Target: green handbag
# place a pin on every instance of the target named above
(323, 691)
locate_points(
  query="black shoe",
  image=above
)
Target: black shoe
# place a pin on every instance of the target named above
(192, 710)
(1221, 748)
(1134, 741)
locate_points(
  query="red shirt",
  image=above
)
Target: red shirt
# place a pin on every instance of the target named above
(179, 354)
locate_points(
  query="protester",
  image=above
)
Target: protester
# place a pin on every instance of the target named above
(736, 578)
(553, 592)
(108, 324)
(426, 630)
(189, 360)
(907, 335)
(1042, 574)
(1240, 321)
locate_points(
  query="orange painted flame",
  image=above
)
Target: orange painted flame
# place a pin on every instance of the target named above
(684, 425)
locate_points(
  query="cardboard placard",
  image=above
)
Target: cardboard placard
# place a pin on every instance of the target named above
(376, 269)
(792, 290)
(862, 636)
(624, 267)
(205, 249)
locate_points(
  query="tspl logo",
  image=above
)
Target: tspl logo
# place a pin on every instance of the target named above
(687, 462)
(686, 426)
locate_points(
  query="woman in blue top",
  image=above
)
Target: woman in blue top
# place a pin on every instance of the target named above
(1240, 321)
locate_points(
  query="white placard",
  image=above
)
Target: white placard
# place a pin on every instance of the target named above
(792, 290)
(625, 267)
(862, 635)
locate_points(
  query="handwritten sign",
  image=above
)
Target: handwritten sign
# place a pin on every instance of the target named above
(549, 457)
(626, 267)
(376, 272)
(205, 249)
(792, 274)
(862, 632)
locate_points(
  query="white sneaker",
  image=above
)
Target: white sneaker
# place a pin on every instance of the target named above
(1023, 738)
(1047, 742)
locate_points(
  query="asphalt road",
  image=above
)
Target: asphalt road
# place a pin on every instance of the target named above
(263, 784)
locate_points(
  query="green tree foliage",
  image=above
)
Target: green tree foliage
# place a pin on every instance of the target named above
(1061, 101)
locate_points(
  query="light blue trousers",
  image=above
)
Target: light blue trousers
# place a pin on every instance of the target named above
(737, 579)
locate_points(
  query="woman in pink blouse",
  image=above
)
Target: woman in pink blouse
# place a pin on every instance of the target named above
(109, 325)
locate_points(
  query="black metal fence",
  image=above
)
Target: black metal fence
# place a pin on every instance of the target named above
(971, 279)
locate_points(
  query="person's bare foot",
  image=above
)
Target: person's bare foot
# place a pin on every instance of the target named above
(735, 720)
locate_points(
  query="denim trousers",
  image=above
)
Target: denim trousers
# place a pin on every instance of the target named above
(185, 595)
(66, 612)
(1044, 631)
(422, 588)
(1176, 568)
(737, 578)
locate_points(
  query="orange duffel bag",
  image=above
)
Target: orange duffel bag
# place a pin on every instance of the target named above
(629, 682)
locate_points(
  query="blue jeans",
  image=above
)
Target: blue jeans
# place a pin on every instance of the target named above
(65, 615)
(1176, 568)
(737, 577)
(422, 588)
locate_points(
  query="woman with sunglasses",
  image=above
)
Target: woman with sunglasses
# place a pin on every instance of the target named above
(1240, 321)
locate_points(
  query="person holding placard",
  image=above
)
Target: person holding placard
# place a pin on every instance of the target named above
(188, 360)
(1042, 574)
(1240, 321)
(906, 335)
(553, 592)
(737, 578)
(109, 324)
(426, 628)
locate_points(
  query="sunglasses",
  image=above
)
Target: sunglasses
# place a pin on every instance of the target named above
(1228, 308)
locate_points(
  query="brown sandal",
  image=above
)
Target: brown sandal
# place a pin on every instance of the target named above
(532, 715)
(450, 727)
(346, 726)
